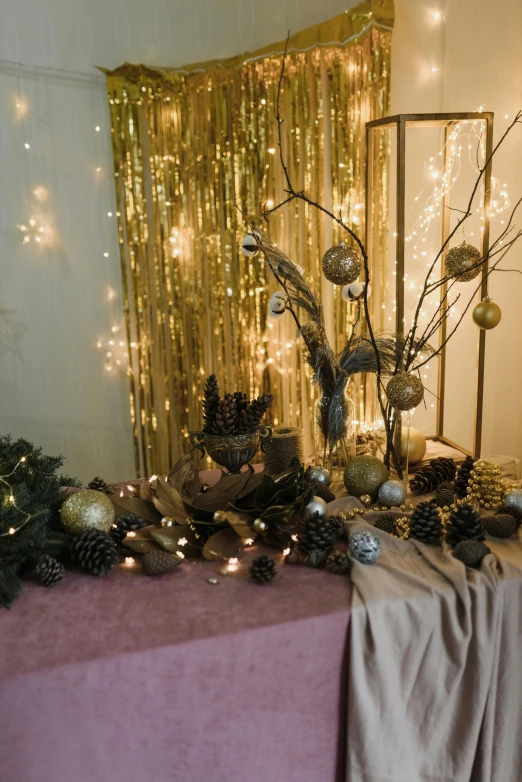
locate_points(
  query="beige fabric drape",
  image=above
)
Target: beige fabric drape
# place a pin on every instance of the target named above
(435, 665)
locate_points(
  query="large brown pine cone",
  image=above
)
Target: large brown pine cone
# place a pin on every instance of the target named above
(225, 421)
(210, 403)
(436, 472)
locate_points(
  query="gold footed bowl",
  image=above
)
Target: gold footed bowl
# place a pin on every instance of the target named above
(231, 451)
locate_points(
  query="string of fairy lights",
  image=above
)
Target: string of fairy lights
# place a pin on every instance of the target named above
(10, 500)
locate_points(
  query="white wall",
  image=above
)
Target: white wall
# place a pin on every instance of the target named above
(477, 50)
(53, 386)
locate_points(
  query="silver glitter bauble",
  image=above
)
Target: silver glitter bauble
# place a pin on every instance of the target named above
(341, 264)
(87, 509)
(364, 475)
(392, 494)
(250, 246)
(513, 500)
(365, 547)
(405, 391)
(315, 507)
(277, 304)
(319, 475)
(463, 262)
(354, 291)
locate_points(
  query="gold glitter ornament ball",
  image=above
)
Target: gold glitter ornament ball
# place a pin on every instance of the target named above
(87, 509)
(364, 475)
(487, 314)
(405, 391)
(461, 262)
(341, 264)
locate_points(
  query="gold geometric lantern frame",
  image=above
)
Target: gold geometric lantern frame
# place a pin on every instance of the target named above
(401, 124)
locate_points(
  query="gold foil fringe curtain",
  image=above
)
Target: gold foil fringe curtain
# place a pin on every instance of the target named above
(193, 151)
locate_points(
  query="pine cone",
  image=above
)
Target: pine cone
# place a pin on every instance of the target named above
(319, 533)
(154, 563)
(225, 420)
(250, 418)
(339, 525)
(316, 558)
(426, 524)
(210, 403)
(338, 562)
(324, 493)
(436, 472)
(386, 524)
(501, 525)
(462, 478)
(512, 512)
(95, 551)
(464, 524)
(126, 524)
(471, 552)
(49, 570)
(241, 401)
(445, 495)
(263, 570)
(98, 484)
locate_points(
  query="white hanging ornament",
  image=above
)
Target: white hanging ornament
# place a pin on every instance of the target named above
(250, 245)
(277, 304)
(355, 291)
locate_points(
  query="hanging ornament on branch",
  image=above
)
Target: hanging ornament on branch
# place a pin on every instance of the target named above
(405, 391)
(463, 262)
(250, 246)
(277, 304)
(487, 314)
(341, 264)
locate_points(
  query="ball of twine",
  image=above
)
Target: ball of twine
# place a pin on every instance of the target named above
(286, 443)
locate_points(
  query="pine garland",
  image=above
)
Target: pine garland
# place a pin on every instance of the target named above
(30, 498)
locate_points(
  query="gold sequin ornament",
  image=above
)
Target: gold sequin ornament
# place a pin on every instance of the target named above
(87, 509)
(487, 314)
(405, 391)
(341, 264)
(364, 475)
(485, 485)
(463, 262)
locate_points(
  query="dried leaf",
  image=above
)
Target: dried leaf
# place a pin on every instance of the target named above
(146, 492)
(169, 539)
(224, 544)
(251, 485)
(140, 546)
(240, 523)
(142, 508)
(184, 477)
(266, 490)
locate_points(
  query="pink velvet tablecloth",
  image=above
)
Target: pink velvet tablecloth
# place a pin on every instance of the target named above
(172, 679)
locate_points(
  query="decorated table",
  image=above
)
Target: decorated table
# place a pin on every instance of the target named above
(407, 670)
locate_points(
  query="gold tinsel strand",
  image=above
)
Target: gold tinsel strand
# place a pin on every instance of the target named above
(190, 146)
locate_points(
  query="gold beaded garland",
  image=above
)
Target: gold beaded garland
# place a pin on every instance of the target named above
(341, 264)
(87, 509)
(485, 485)
(405, 391)
(462, 262)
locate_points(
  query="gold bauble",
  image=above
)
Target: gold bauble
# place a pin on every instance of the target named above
(416, 445)
(487, 314)
(462, 262)
(341, 264)
(87, 509)
(364, 475)
(405, 391)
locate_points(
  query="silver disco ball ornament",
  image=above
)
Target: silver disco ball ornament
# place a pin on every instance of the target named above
(316, 507)
(365, 547)
(513, 500)
(319, 475)
(392, 493)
